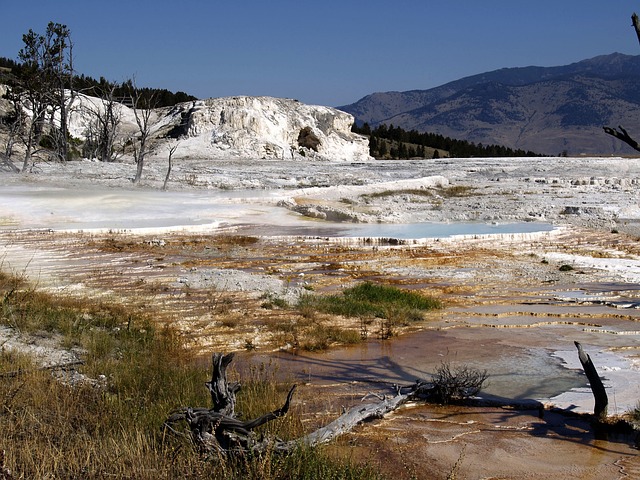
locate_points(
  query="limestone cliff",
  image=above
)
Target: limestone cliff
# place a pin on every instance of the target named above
(233, 127)
(264, 127)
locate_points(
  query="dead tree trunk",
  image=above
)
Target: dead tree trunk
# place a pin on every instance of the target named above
(599, 392)
(636, 25)
(223, 394)
(166, 178)
(622, 135)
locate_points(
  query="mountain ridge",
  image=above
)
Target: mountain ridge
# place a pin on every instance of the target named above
(544, 109)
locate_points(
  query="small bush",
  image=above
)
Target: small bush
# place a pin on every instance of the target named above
(457, 384)
(565, 268)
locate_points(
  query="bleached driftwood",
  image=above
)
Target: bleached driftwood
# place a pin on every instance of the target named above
(216, 429)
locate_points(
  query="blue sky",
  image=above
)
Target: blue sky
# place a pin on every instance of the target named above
(329, 52)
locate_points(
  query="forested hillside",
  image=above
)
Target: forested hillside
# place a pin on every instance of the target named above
(12, 72)
(388, 142)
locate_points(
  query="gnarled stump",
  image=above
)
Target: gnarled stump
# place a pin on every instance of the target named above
(223, 394)
(216, 429)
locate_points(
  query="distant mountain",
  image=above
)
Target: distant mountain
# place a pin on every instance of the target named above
(549, 110)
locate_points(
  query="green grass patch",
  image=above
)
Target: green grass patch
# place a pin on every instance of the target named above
(373, 300)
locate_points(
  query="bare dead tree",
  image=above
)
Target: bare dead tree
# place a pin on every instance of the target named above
(166, 178)
(142, 109)
(103, 130)
(14, 123)
(620, 133)
(62, 77)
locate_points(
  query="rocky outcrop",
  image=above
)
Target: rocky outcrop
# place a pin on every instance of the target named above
(235, 127)
(265, 127)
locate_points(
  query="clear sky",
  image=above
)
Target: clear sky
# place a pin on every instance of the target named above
(324, 52)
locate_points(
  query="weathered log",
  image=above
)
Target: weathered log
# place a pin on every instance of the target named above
(229, 433)
(599, 392)
(348, 420)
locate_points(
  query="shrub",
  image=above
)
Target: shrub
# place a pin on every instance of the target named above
(457, 384)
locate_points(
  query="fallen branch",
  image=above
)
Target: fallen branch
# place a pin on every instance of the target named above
(216, 430)
(348, 420)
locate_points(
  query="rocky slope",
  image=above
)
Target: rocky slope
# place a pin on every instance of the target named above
(267, 127)
(242, 127)
(546, 110)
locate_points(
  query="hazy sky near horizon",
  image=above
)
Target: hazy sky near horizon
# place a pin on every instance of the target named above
(329, 52)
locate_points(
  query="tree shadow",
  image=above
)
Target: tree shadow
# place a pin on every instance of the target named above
(385, 374)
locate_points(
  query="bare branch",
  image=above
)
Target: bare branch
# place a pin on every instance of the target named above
(622, 135)
(636, 25)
